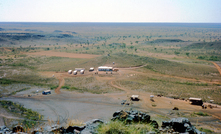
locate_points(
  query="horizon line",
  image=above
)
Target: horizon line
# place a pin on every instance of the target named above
(99, 22)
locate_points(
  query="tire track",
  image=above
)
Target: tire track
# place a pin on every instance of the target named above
(11, 117)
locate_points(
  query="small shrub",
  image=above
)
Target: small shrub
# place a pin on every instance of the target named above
(53, 87)
(65, 87)
(201, 114)
(206, 130)
(118, 127)
(6, 81)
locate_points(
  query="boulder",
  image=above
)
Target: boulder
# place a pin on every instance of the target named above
(180, 125)
(132, 116)
(175, 108)
(18, 129)
(91, 126)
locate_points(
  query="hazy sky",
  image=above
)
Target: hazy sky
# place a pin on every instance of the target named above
(110, 11)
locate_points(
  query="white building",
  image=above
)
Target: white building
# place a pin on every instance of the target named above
(105, 68)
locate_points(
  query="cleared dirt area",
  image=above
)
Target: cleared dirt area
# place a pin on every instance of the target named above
(86, 106)
(163, 105)
(63, 54)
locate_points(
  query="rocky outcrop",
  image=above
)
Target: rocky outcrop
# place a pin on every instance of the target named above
(180, 125)
(134, 116)
(174, 126)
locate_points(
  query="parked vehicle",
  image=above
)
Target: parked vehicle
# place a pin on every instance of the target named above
(91, 69)
(196, 101)
(105, 68)
(69, 71)
(135, 98)
(46, 92)
(82, 71)
(75, 72)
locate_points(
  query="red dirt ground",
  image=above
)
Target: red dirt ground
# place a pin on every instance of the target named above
(162, 102)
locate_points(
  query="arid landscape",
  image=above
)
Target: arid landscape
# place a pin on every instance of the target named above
(170, 61)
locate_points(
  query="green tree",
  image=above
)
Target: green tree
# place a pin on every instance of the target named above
(176, 53)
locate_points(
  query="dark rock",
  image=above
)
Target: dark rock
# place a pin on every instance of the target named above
(91, 126)
(116, 113)
(181, 125)
(131, 116)
(154, 124)
(18, 129)
(146, 118)
(71, 129)
(5, 130)
(175, 108)
(124, 102)
(165, 123)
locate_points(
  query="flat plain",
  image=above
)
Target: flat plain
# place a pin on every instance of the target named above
(177, 61)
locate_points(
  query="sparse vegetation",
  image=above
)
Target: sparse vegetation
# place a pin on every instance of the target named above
(21, 110)
(206, 130)
(172, 61)
(118, 127)
(53, 87)
(200, 114)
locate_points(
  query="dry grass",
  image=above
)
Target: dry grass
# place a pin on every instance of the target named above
(117, 127)
(74, 123)
(89, 84)
(171, 87)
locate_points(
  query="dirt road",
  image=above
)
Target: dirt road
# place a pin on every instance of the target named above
(62, 75)
(63, 105)
(217, 66)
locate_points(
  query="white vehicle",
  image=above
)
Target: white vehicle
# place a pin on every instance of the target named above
(75, 72)
(105, 68)
(91, 69)
(135, 98)
(46, 92)
(82, 71)
(69, 71)
(79, 69)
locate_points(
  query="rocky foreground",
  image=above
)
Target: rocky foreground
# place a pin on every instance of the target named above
(175, 125)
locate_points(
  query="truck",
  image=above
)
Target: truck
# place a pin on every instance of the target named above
(105, 68)
(46, 92)
(135, 98)
(196, 101)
